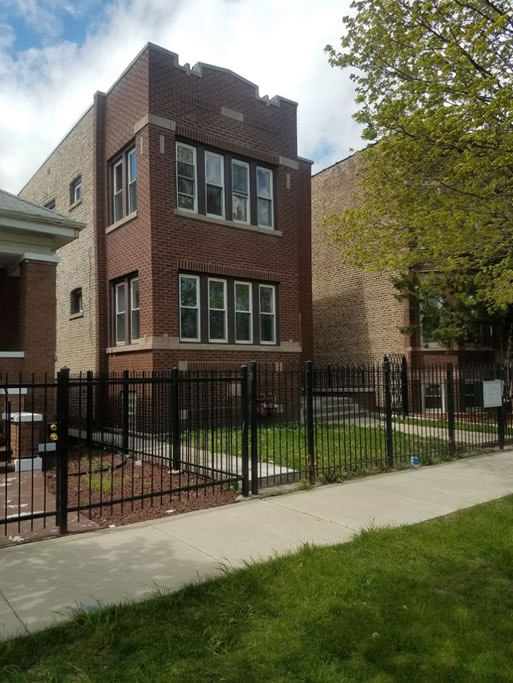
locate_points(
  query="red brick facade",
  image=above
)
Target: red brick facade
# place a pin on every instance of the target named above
(154, 103)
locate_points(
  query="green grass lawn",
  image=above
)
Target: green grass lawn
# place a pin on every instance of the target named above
(338, 447)
(432, 602)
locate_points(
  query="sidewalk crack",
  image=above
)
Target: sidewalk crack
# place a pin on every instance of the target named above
(24, 626)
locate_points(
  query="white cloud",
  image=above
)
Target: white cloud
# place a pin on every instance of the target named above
(277, 44)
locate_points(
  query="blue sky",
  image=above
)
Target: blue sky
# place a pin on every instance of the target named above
(54, 54)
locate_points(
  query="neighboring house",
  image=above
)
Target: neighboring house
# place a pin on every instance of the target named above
(29, 237)
(356, 316)
(198, 240)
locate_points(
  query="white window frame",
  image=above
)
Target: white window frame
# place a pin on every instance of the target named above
(197, 308)
(117, 286)
(215, 215)
(237, 162)
(224, 310)
(195, 161)
(133, 339)
(273, 314)
(271, 198)
(130, 180)
(117, 191)
(250, 312)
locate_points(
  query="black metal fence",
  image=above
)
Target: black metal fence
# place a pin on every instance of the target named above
(91, 450)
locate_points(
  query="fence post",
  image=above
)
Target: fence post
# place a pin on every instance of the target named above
(389, 441)
(450, 408)
(175, 417)
(309, 421)
(244, 409)
(124, 415)
(501, 413)
(254, 427)
(404, 386)
(89, 407)
(61, 451)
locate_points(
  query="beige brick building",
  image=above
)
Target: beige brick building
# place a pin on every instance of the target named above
(72, 162)
(356, 317)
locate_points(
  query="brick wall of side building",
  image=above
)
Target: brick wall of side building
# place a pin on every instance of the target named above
(76, 335)
(355, 315)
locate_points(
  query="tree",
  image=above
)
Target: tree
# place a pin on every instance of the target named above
(434, 88)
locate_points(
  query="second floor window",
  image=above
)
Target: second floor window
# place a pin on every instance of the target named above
(123, 183)
(225, 187)
(76, 301)
(75, 191)
(126, 310)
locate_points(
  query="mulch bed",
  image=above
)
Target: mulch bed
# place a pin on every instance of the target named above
(102, 476)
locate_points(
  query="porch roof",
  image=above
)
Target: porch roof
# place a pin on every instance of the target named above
(28, 230)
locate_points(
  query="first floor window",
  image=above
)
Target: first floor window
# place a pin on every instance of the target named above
(217, 331)
(76, 301)
(267, 301)
(126, 310)
(189, 308)
(243, 313)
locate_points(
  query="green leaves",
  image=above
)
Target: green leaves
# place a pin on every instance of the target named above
(434, 85)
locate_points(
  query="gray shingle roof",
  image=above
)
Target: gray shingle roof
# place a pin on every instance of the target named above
(12, 205)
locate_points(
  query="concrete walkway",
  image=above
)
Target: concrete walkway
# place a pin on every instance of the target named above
(44, 581)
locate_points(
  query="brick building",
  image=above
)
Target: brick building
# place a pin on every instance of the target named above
(29, 237)
(197, 246)
(356, 315)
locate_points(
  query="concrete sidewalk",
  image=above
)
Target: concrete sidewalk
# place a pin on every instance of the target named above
(42, 582)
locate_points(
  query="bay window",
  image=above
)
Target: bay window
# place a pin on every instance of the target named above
(186, 183)
(126, 310)
(123, 185)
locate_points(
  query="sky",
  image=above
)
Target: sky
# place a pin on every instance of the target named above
(55, 54)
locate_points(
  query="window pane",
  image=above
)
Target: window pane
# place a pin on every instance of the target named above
(132, 168)
(118, 206)
(185, 202)
(267, 328)
(214, 200)
(120, 298)
(132, 197)
(186, 170)
(134, 287)
(118, 177)
(242, 301)
(264, 183)
(264, 212)
(186, 186)
(120, 328)
(240, 178)
(243, 326)
(185, 154)
(213, 169)
(266, 300)
(189, 323)
(216, 294)
(135, 331)
(216, 329)
(240, 208)
(188, 291)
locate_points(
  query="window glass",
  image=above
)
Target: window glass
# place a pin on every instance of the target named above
(267, 314)
(240, 196)
(134, 309)
(76, 301)
(120, 313)
(243, 326)
(264, 197)
(264, 183)
(217, 310)
(189, 308)
(132, 181)
(186, 177)
(214, 176)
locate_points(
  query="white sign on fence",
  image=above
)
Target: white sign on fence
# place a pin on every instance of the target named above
(492, 393)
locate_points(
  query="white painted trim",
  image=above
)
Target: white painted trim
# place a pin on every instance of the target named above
(13, 391)
(271, 198)
(196, 308)
(273, 314)
(238, 162)
(195, 161)
(23, 417)
(12, 354)
(32, 256)
(227, 224)
(235, 311)
(224, 310)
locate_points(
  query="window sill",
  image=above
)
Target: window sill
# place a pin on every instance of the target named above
(227, 224)
(122, 221)
(126, 348)
(73, 206)
(74, 316)
(164, 343)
